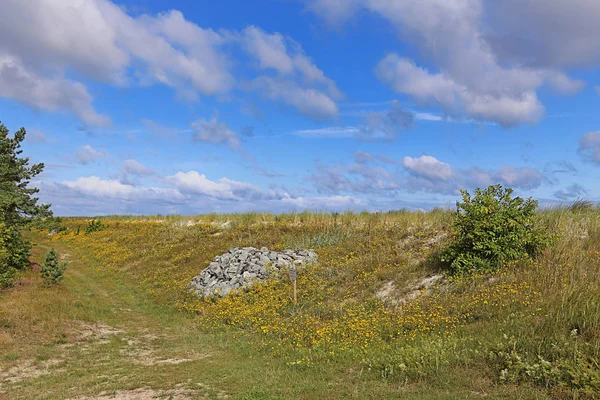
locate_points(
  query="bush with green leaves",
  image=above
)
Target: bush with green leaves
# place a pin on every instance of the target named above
(53, 269)
(492, 229)
(93, 226)
(50, 224)
(7, 272)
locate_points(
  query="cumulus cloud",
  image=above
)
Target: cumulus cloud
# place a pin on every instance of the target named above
(362, 157)
(35, 136)
(22, 84)
(589, 146)
(551, 33)
(308, 101)
(418, 174)
(386, 124)
(477, 73)
(457, 99)
(133, 167)
(355, 178)
(87, 154)
(285, 56)
(572, 191)
(335, 12)
(99, 40)
(224, 189)
(522, 178)
(193, 183)
(113, 189)
(560, 167)
(429, 167)
(214, 132)
(172, 50)
(298, 82)
(183, 192)
(376, 125)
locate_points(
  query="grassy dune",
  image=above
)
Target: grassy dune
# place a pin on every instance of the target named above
(122, 318)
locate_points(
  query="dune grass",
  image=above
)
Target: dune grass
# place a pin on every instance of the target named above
(531, 331)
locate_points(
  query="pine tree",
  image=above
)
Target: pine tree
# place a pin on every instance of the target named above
(18, 206)
(53, 270)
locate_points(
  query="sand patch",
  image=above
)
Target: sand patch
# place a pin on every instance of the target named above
(177, 393)
(390, 294)
(28, 369)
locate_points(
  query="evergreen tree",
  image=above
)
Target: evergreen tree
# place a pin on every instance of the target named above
(18, 206)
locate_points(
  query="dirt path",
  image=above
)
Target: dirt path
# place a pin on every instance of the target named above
(107, 340)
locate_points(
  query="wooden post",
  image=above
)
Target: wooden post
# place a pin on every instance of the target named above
(293, 279)
(295, 298)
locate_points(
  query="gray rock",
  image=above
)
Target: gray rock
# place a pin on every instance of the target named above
(241, 267)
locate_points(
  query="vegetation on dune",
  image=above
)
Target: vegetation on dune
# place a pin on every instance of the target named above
(53, 269)
(521, 319)
(493, 229)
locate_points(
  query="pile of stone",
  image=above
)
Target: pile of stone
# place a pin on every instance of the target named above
(243, 266)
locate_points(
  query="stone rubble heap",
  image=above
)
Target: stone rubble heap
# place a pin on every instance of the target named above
(242, 266)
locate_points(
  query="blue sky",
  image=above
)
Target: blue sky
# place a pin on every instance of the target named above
(278, 105)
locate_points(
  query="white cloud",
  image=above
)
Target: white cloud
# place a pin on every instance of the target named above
(386, 124)
(329, 132)
(457, 99)
(550, 33)
(474, 78)
(376, 125)
(98, 40)
(274, 51)
(339, 203)
(429, 167)
(572, 191)
(24, 85)
(565, 85)
(214, 132)
(589, 146)
(362, 157)
(113, 189)
(425, 174)
(308, 101)
(185, 193)
(334, 11)
(225, 189)
(133, 167)
(87, 154)
(194, 183)
(355, 178)
(35, 136)
(270, 49)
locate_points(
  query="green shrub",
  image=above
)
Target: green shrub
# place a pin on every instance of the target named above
(7, 272)
(14, 252)
(93, 226)
(51, 224)
(492, 229)
(53, 270)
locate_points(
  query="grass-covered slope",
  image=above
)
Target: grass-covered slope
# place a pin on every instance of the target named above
(361, 327)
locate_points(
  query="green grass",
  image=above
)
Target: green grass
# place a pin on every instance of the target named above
(127, 280)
